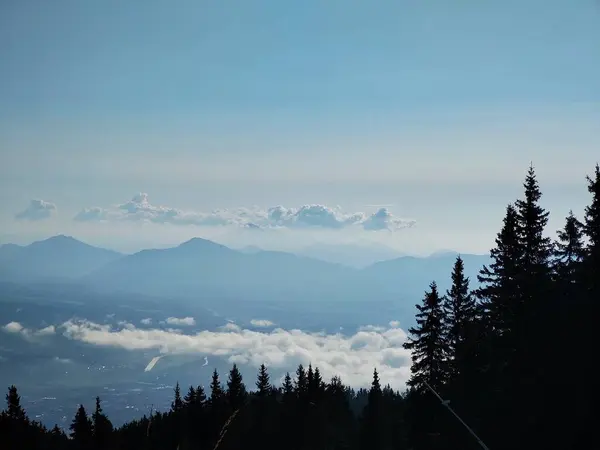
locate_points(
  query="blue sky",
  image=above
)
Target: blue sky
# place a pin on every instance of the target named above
(432, 107)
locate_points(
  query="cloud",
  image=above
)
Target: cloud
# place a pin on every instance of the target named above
(37, 210)
(17, 328)
(352, 357)
(146, 321)
(186, 321)
(139, 208)
(261, 323)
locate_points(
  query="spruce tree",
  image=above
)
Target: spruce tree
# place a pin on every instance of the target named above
(190, 397)
(81, 429)
(263, 383)
(177, 403)
(288, 388)
(236, 390)
(427, 343)
(372, 418)
(13, 404)
(569, 251)
(216, 388)
(102, 427)
(301, 383)
(499, 291)
(459, 313)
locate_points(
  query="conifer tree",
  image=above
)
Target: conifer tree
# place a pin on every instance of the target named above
(288, 388)
(569, 251)
(263, 383)
(499, 291)
(81, 429)
(236, 390)
(459, 314)
(591, 230)
(13, 404)
(427, 342)
(371, 421)
(190, 397)
(177, 403)
(301, 383)
(216, 388)
(101, 426)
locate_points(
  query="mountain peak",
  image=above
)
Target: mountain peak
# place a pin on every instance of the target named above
(197, 243)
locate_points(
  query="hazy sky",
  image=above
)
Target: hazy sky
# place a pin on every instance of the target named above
(431, 109)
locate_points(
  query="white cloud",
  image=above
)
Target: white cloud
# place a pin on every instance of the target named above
(139, 208)
(13, 327)
(261, 323)
(17, 328)
(352, 357)
(37, 210)
(185, 321)
(146, 321)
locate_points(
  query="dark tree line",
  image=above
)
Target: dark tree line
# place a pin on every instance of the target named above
(514, 355)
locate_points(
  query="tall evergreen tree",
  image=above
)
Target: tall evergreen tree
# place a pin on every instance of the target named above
(459, 313)
(288, 388)
(301, 383)
(13, 404)
(101, 426)
(499, 291)
(82, 429)
(263, 383)
(427, 343)
(190, 397)
(569, 251)
(371, 420)
(216, 388)
(236, 390)
(177, 403)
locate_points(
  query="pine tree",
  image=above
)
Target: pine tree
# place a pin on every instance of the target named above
(263, 383)
(200, 398)
(591, 230)
(101, 426)
(371, 420)
(216, 388)
(427, 343)
(81, 429)
(288, 388)
(459, 313)
(499, 291)
(177, 403)
(301, 383)
(569, 251)
(236, 390)
(532, 221)
(13, 404)
(190, 397)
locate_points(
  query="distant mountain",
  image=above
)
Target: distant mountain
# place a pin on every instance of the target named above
(358, 256)
(412, 275)
(54, 259)
(200, 268)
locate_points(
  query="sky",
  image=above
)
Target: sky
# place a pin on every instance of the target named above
(405, 123)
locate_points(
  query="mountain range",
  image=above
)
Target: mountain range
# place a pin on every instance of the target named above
(200, 268)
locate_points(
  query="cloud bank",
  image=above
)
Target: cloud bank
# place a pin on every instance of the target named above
(139, 208)
(351, 357)
(261, 323)
(37, 210)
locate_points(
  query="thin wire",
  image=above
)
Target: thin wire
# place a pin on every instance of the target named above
(446, 403)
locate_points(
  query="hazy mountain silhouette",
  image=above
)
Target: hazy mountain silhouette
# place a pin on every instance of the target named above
(200, 268)
(57, 258)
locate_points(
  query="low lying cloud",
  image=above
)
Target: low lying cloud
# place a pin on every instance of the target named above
(261, 323)
(351, 357)
(147, 321)
(37, 210)
(139, 208)
(184, 321)
(17, 328)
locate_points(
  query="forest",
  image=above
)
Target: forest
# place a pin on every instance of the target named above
(513, 356)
